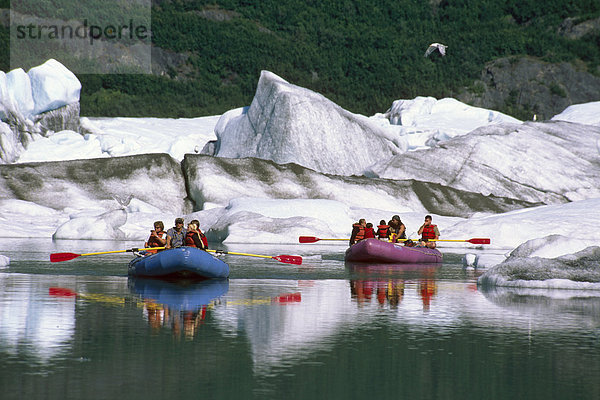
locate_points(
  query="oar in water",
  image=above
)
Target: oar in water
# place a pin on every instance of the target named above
(312, 239)
(297, 260)
(58, 257)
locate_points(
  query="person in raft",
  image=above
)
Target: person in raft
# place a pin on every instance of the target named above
(383, 231)
(358, 231)
(176, 235)
(369, 231)
(428, 232)
(158, 237)
(397, 229)
(192, 236)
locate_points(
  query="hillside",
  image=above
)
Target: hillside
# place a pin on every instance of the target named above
(208, 55)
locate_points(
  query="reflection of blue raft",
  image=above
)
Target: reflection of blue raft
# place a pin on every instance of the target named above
(177, 296)
(187, 262)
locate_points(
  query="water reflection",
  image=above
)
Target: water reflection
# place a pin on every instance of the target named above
(180, 306)
(386, 283)
(31, 324)
(547, 309)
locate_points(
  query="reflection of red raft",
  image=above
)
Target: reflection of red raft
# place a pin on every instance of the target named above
(377, 251)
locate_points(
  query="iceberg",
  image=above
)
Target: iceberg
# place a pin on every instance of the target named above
(53, 86)
(570, 271)
(289, 124)
(549, 162)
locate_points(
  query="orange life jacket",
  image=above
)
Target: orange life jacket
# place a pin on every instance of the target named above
(383, 231)
(428, 232)
(361, 232)
(154, 242)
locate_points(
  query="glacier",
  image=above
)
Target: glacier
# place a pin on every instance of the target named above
(287, 165)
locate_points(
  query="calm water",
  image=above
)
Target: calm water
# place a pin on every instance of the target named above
(324, 330)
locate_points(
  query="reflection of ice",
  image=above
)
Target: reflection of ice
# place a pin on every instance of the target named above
(28, 318)
(279, 335)
(578, 308)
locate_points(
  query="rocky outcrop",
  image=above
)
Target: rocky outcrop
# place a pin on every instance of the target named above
(526, 87)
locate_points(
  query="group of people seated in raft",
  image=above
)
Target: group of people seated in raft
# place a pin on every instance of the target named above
(395, 231)
(177, 236)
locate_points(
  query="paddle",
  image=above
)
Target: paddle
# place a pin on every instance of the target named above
(58, 257)
(472, 241)
(297, 260)
(312, 239)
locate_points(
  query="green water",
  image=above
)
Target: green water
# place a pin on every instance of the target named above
(324, 330)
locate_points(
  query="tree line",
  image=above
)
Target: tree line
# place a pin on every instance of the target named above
(362, 54)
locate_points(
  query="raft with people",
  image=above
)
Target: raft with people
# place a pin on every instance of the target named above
(180, 262)
(378, 251)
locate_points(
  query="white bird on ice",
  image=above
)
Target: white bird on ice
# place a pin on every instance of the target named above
(441, 48)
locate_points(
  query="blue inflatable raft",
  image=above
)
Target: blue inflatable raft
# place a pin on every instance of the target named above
(182, 262)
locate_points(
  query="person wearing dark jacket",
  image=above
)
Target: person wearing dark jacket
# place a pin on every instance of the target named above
(397, 229)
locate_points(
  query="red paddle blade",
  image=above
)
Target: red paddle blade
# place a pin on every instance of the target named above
(297, 260)
(62, 292)
(308, 239)
(479, 241)
(58, 257)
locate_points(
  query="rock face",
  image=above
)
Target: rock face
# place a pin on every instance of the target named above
(532, 87)
(155, 179)
(286, 123)
(215, 181)
(517, 161)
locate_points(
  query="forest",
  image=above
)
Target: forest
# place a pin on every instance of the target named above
(361, 54)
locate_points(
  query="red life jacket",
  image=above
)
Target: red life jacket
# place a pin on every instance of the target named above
(361, 232)
(189, 239)
(428, 232)
(203, 238)
(369, 233)
(383, 231)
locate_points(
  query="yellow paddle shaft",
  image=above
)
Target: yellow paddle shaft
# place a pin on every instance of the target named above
(239, 254)
(121, 251)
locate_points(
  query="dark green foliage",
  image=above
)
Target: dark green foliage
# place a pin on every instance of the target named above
(361, 54)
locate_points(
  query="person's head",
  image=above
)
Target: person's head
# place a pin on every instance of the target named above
(178, 223)
(196, 222)
(192, 226)
(362, 222)
(427, 219)
(396, 218)
(369, 225)
(159, 226)
(382, 222)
